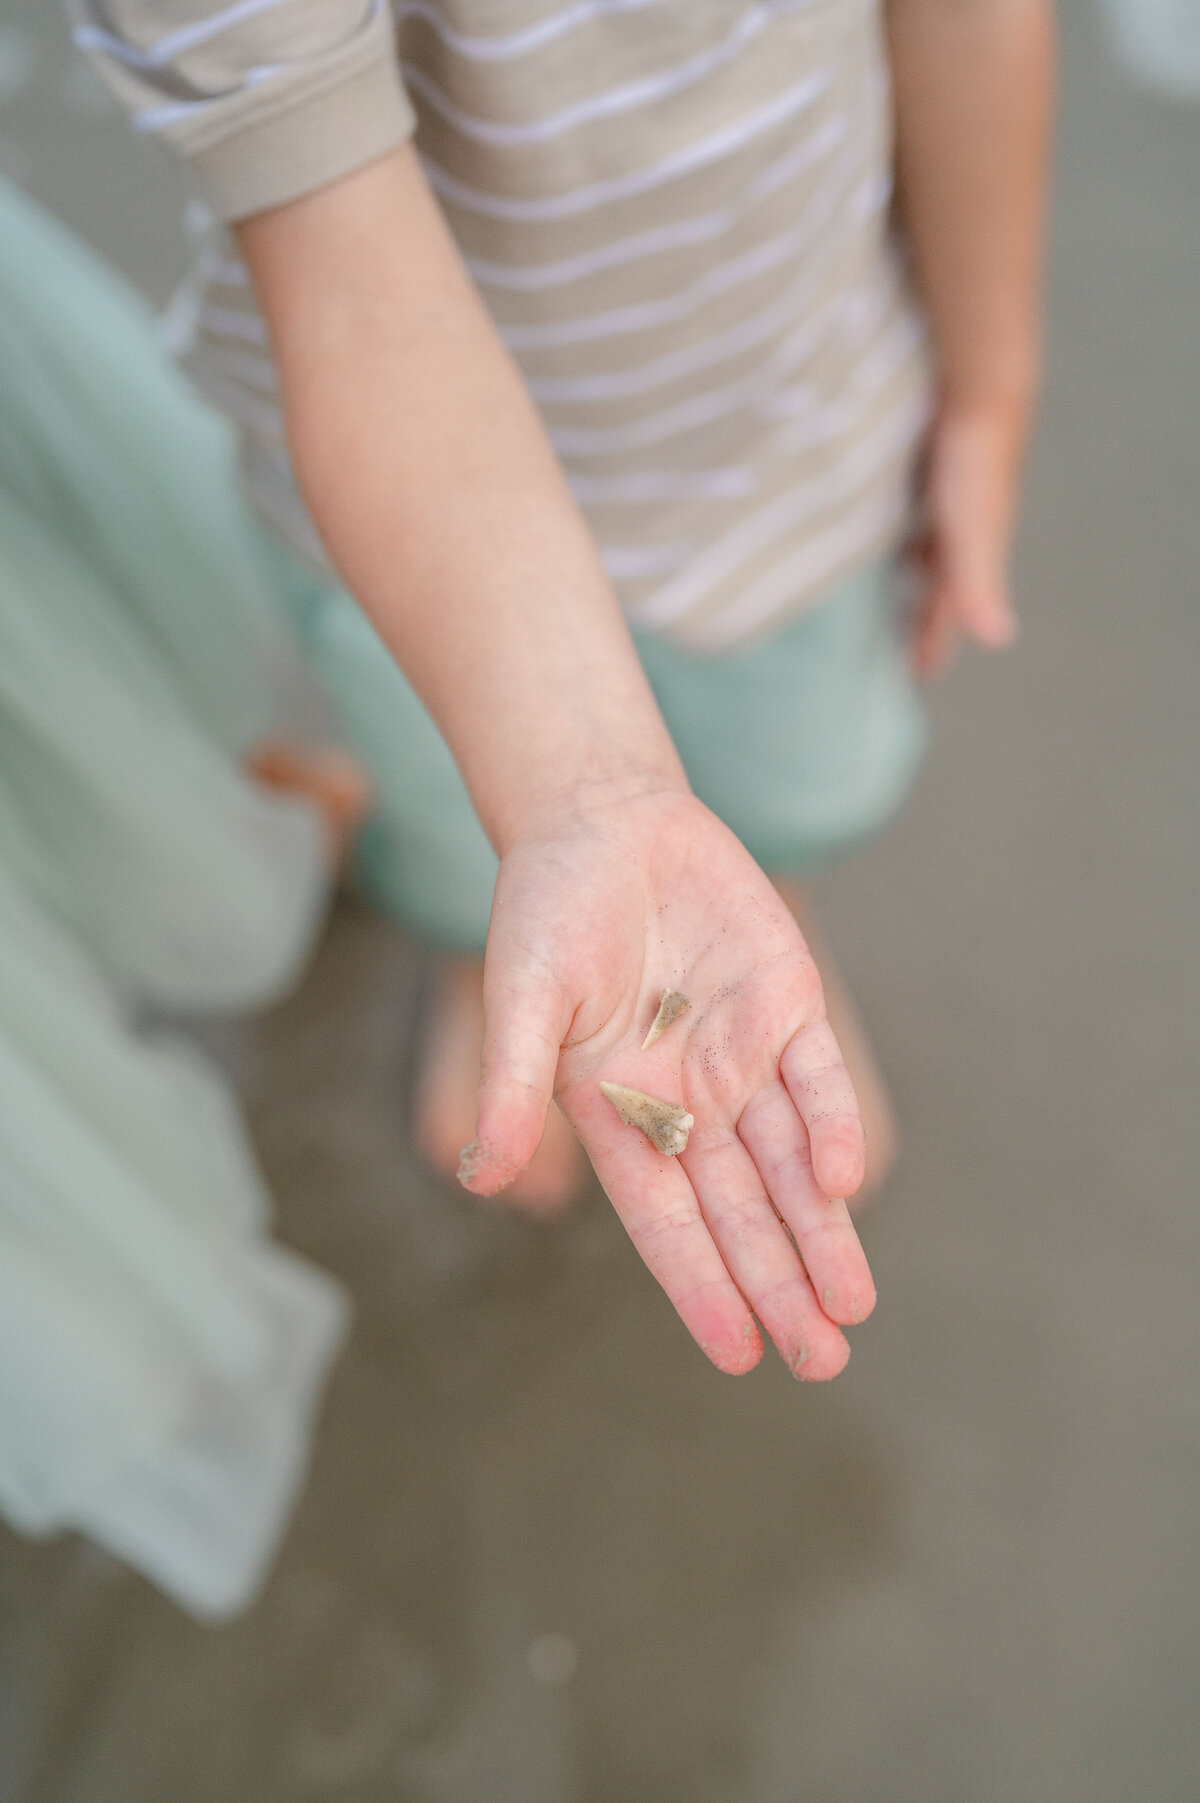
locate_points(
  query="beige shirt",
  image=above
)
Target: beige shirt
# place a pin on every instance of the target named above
(676, 212)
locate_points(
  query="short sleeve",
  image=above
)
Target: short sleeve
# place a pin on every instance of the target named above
(265, 99)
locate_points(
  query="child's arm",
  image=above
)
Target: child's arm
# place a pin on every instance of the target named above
(429, 477)
(972, 92)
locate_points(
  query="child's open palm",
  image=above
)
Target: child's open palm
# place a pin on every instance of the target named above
(591, 922)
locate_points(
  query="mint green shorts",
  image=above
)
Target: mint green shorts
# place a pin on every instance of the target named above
(806, 746)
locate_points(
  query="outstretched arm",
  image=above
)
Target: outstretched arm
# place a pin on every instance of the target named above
(973, 82)
(436, 493)
(429, 477)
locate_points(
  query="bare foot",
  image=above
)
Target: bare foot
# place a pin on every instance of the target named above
(323, 774)
(874, 1098)
(447, 1090)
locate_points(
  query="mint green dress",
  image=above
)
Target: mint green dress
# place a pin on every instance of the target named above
(160, 1358)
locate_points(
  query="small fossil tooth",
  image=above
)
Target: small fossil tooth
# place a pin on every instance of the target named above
(665, 1124)
(670, 1006)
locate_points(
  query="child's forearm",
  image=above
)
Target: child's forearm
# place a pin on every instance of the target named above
(439, 499)
(972, 87)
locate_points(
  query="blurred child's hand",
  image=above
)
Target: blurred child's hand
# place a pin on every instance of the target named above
(970, 489)
(591, 921)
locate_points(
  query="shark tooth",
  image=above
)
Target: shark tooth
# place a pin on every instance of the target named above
(665, 1124)
(670, 1006)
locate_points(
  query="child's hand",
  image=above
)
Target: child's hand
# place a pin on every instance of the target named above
(591, 922)
(970, 489)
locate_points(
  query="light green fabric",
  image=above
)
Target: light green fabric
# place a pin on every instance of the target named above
(159, 1358)
(806, 746)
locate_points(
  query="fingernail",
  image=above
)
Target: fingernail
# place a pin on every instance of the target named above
(861, 1308)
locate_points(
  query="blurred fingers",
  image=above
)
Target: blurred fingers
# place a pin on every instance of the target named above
(935, 633)
(970, 498)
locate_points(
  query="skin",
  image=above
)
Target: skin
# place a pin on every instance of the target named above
(445, 1103)
(647, 894)
(973, 83)
(428, 475)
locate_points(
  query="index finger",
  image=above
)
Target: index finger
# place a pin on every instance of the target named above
(658, 1207)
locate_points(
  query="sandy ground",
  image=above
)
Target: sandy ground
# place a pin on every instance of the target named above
(547, 1555)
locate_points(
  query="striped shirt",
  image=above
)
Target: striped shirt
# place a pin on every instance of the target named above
(677, 213)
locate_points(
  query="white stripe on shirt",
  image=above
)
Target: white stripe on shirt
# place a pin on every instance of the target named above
(610, 102)
(804, 571)
(718, 280)
(682, 234)
(649, 487)
(634, 563)
(747, 391)
(176, 43)
(723, 143)
(517, 43)
(754, 534)
(174, 112)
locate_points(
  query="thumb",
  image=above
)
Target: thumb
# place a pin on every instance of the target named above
(526, 1017)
